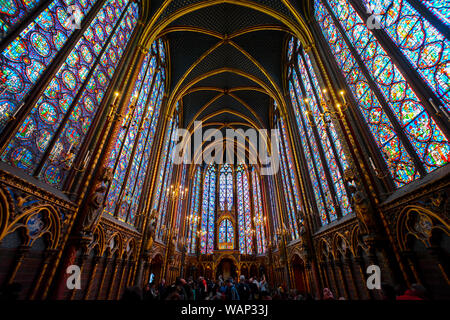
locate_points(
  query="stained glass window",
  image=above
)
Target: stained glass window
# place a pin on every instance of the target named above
(244, 216)
(160, 200)
(259, 217)
(273, 208)
(14, 11)
(290, 187)
(290, 50)
(182, 190)
(71, 99)
(167, 147)
(208, 211)
(131, 152)
(194, 217)
(425, 47)
(327, 137)
(385, 98)
(226, 235)
(322, 148)
(26, 58)
(226, 188)
(440, 8)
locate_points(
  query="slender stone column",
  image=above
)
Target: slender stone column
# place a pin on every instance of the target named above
(95, 261)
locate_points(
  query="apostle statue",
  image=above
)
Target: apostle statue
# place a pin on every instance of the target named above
(301, 223)
(171, 249)
(95, 202)
(360, 204)
(151, 229)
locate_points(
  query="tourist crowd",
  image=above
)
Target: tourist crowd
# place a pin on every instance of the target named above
(246, 290)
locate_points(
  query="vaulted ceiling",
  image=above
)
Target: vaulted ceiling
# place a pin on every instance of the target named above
(226, 56)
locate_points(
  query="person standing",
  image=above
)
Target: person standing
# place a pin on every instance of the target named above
(232, 293)
(243, 289)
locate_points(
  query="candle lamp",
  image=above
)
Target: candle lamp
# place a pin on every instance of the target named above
(378, 173)
(116, 96)
(83, 165)
(13, 117)
(342, 93)
(439, 109)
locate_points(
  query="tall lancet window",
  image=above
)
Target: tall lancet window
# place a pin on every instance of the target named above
(244, 215)
(28, 55)
(426, 48)
(322, 145)
(289, 180)
(329, 158)
(182, 190)
(259, 217)
(49, 139)
(226, 188)
(398, 77)
(194, 212)
(13, 12)
(164, 179)
(208, 211)
(226, 235)
(131, 152)
(273, 209)
(441, 9)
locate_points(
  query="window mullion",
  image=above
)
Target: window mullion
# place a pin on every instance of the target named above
(330, 140)
(302, 120)
(428, 14)
(20, 25)
(147, 136)
(69, 111)
(319, 144)
(289, 184)
(136, 141)
(398, 129)
(36, 89)
(309, 194)
(355, 113)
(412, 77)
(164, 165)
(128, 125)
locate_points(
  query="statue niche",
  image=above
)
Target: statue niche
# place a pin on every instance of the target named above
(151, 230)
(304, 231)
(171, 250)
(360, 204)
(94, 206)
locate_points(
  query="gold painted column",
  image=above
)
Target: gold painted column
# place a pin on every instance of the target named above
(324, 275)
(333, 277)
(131, 272)
(117, 262)
(95, 261)
(124, 268)
(81, 262)
(49, 254)
(409, 255)
(437, 254)
(342, 278)
(348, 265)
(359, 262)
(20, 255)
(107, 262)
(308, 275)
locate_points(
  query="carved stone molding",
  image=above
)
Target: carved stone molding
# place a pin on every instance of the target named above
(23, 185)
